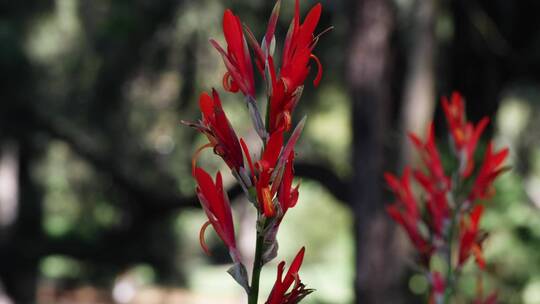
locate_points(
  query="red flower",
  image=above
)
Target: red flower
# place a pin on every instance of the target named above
(215, 125)
(464, 134)
(431, 158)
(262, 172)
(436, 203)
(279, 293)
(491, 168)
(435, 183)
(239, 75)
(271, 170)
(470, 239)
(216, 204)
(405, 210)
(285, 90)
(299, 43)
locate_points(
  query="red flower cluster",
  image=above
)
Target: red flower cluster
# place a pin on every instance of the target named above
(284, 89)
(239, 75)
(279, 294)
(452, 212)
(217, 128)
(267, 180)
(464, 134)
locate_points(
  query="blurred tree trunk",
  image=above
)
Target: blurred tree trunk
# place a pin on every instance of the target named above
(18, 246)
(419, 96)
(378, 269)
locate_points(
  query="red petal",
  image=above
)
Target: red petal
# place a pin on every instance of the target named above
(311, 20)
(206, 104)
(275, 143)
(294, 268)
(248, 156)
(476, 214)
(272, 24)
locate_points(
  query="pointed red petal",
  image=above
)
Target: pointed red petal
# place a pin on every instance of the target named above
(275, 143)
(294, 268)
(206, 104)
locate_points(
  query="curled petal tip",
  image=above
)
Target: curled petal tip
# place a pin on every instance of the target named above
(319, 70)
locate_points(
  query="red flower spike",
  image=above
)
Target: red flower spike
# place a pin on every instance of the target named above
(237, 59)
(216, 205)
(279, 293)
(465, 135)
(469, 242)
(217, 128)
(491, 168)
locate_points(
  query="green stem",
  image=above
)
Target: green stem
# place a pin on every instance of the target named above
(449, 288)
(257, 267)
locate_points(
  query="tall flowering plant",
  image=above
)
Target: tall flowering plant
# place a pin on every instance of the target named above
(442, 221)
(266, 177)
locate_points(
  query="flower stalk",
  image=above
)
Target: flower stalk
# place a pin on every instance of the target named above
(449, 209)
(256, 273)
(266, 178)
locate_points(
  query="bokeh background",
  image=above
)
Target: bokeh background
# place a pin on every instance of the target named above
(96, 199)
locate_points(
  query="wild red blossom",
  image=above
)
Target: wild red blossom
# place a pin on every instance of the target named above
(470, 238)
(432, 160)
(491, 168)
(405, 210)
(279, 294)
(464, 134)
(217, 128)
(436, 184)
(436, 203)
(447, 200)
(269, 182)
(239, 75)
(286, 88)
(215, 203)
(298, 48)
(262, 172)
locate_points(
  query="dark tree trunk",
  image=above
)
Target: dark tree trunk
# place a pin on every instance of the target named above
(378, 270)
(18, 250)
